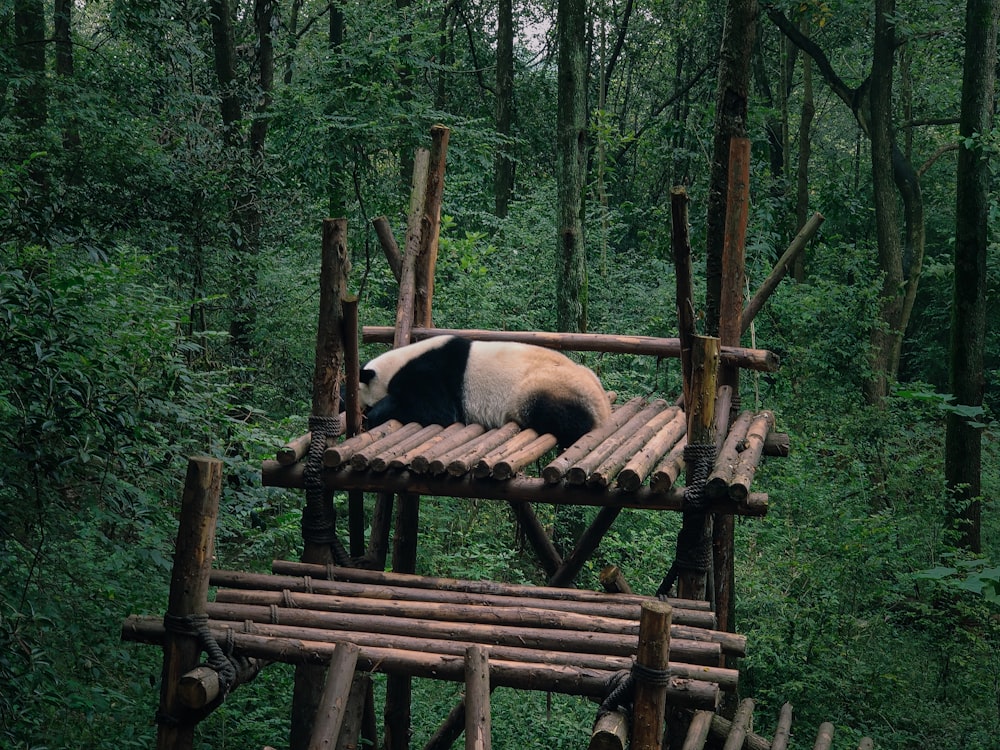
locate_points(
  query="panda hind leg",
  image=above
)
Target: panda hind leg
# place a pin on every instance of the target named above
(564, 418)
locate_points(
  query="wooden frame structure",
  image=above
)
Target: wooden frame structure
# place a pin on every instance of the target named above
(340, 617)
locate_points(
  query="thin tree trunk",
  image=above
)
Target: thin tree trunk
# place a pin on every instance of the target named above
(571, 127)
(806, 114)
(504, 163)
(30, 101)
(963, 441)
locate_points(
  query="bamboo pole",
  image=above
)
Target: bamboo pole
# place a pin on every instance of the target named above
(477, 698)
(759, 360)
(333, 703)
(188, 596)
(651, 699)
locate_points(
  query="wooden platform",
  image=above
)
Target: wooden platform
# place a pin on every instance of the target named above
(634, 460)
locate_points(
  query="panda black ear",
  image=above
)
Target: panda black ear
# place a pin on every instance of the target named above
(367, 375)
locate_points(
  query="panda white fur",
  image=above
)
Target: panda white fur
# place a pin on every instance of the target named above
(445, 379)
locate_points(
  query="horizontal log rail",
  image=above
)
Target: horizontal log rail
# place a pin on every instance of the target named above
(542, 676)
(518, 489)
(760, 360)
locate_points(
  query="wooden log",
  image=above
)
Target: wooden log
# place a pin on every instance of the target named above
(404, 460)
(390, 248)
(341, 453)
(517, 489)
(721, 728)
(616, 460)
(537, 537)
(362, 458)
(405, 304)
(378, 541)
(438, 583)
(783, 731)
(866, 744)
(777, 444)
(622, 607)
(750, 457)
(522, 676)
(556, 470)
(294, 450)
(729, 457)
(641, 463)
(420, 463)
(584, 547)
(459, 461)
(681, 247)
(651, 699)
(734, 244)
(786, 261)
(610, 732)
(482, 466)
(352, 419)
(701, 431)
(333, 703)
(477, 698)
(334, 267)
(697, 732)
(669, 469)
(509, 465)
(759, 360)
(741, 725)
(613, 580)
(358, 705)
(430, 220)
(585, 466)
(188, 595)
(824, 737)
(200, 687)
(380, 462)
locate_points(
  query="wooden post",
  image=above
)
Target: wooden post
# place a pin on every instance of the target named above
(188, 595)
(681, 245)
(333, 703)
(649, 711)
(335, 265)
(730, 328)
(430, 227)
(610, 732)
(741, 725)
(358, 707)
(477, 698)
(824, 738)
(783, 731)
(697, 732)
(352, 410)
(701, 431)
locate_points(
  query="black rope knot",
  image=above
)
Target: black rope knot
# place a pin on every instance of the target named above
(694, 546)
(319, 518)
(196, 625)
(620, 687)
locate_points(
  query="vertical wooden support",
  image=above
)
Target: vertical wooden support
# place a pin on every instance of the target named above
(477, 698)
(730, 328)
(333, 703)
(431, 227)
(681, 245)
(701, 431)
(649, 710)
(352, 376)
(334, 267)
(359, 705)
(188, 595)
(741, 725)
(411, 250)
(697, 732)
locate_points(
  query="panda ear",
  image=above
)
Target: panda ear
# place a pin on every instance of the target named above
(367, 375)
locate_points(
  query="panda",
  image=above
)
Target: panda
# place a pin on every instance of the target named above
(445, 379)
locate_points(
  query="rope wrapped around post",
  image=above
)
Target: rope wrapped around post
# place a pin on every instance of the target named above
(620, 687)
(319, 518)
(694, 547)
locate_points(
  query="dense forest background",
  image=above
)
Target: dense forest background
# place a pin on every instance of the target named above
(164, 167)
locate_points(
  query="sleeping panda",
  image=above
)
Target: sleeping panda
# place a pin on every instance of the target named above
(445, 379)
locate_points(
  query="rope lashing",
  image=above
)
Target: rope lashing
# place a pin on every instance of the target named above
(620, 687)
(694, 547)
(197, 626)
(319, 518)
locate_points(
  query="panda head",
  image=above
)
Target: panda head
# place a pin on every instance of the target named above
(371, 388)
(379, 372)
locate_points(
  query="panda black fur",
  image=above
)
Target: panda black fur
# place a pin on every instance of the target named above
(447, 379)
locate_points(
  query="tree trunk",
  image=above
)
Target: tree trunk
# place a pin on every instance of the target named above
(571, 147)
(806, 114)
(31, 100)
(730, 120)
(963, 441)
(504, 163)
(62, 23)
